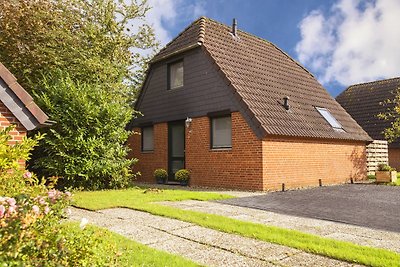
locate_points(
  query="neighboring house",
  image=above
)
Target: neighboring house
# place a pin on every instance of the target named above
(17, 107)
(364, 102)
(214, 101)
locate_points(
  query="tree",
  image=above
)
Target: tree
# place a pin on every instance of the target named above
(392, 114)
(83, 61)
(86, 145)
(92, 40)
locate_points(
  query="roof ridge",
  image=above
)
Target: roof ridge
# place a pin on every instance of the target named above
(266, 41)
(371, 82)
(201, 33)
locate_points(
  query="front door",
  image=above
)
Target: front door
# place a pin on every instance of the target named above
(176, 148)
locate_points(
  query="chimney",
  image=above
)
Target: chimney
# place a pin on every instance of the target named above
(286, 103)
(234, 27)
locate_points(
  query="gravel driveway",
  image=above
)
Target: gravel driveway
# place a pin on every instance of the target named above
(374, 206)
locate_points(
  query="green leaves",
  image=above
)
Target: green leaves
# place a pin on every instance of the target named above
(94, 41)
(86, 145)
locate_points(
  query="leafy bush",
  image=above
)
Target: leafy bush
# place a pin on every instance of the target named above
(182, 175)
(385, 167)
(30, 215)
(160, 174)
(371, 177)
(86, 147)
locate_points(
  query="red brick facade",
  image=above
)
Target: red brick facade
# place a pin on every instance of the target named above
(253, 163)
(394, 158)
(302, 162)
(6, 119)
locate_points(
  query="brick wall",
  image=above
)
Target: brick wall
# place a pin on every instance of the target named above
(295, 162)
(6, 119)
(394, 158)
(299, 163)
(149, 161)
(239, 167)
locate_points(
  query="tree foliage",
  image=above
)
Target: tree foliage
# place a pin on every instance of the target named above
(82, 60)
(392, 114)
(86, 145)
(92, 40)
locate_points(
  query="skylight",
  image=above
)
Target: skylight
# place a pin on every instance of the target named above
(330, 119)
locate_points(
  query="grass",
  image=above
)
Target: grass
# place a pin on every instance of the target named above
(138, 200)
(112, 249)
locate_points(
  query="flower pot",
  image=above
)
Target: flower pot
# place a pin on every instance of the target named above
(160, 180)
(386, 176)
(184, 183)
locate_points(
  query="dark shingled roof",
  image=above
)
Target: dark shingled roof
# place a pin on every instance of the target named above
(261, 75)
(19, 102)
(364, 102)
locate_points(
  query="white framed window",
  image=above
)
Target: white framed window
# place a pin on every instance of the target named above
(330, 118)
(147, 138)
(221, 132)
(175, 75)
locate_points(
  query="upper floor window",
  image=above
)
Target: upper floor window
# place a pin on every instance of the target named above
(221, 132)
(330, 119)
(175, 74)
(147, 138)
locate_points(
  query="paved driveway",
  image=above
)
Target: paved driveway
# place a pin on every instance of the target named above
(374, 206)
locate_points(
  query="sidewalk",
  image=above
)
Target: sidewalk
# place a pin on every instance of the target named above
(202, 245)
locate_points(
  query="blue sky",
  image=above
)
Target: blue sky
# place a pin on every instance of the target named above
(341, 42)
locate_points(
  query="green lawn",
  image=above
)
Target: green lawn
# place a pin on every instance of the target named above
(111, 249)
(139, 200)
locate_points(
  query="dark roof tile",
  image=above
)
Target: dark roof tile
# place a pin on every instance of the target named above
(262, 74)
(363, 103)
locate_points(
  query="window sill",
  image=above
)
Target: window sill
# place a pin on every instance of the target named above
(221, 149)
(148, 152)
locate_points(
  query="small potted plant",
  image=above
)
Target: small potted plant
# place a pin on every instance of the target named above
(161, 176)
(386, 174)
(182, 176)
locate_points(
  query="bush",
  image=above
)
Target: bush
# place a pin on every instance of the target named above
(385, 167)
(182, 175)
(160, 174)
(30, 215)
(86, 147)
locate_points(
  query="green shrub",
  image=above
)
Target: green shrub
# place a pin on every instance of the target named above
(385, 167)
(87, 146)
(30, 215)
(160, 174)
(182, 175)
(371, 176)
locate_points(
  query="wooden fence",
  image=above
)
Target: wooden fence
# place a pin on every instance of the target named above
(377, 153)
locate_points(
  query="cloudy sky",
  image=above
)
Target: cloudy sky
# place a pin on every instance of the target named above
(341, 41)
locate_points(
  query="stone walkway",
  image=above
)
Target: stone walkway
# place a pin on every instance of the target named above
(340, 231)
(202, 245)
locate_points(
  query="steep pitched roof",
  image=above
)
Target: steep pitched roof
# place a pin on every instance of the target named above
(19, 102)
(364, 102)
(261, 75)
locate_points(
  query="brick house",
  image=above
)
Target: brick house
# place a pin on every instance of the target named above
(17, 107)
(240, 113)
(364, 102)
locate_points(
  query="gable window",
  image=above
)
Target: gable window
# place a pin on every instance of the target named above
(147, 138)
(175, 74)
(330, 118)
(221, 132)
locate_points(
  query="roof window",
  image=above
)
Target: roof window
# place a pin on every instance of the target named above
(330, 119)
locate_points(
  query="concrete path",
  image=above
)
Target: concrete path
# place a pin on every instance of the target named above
(340, 231)
(202, 245)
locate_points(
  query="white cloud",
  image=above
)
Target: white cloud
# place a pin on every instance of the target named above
(357, 41)
(168, 13)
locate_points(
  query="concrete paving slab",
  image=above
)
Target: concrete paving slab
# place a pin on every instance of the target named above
(340, 231)
(205, 246)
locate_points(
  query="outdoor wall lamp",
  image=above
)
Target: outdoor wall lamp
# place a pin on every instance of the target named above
(188, 121)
